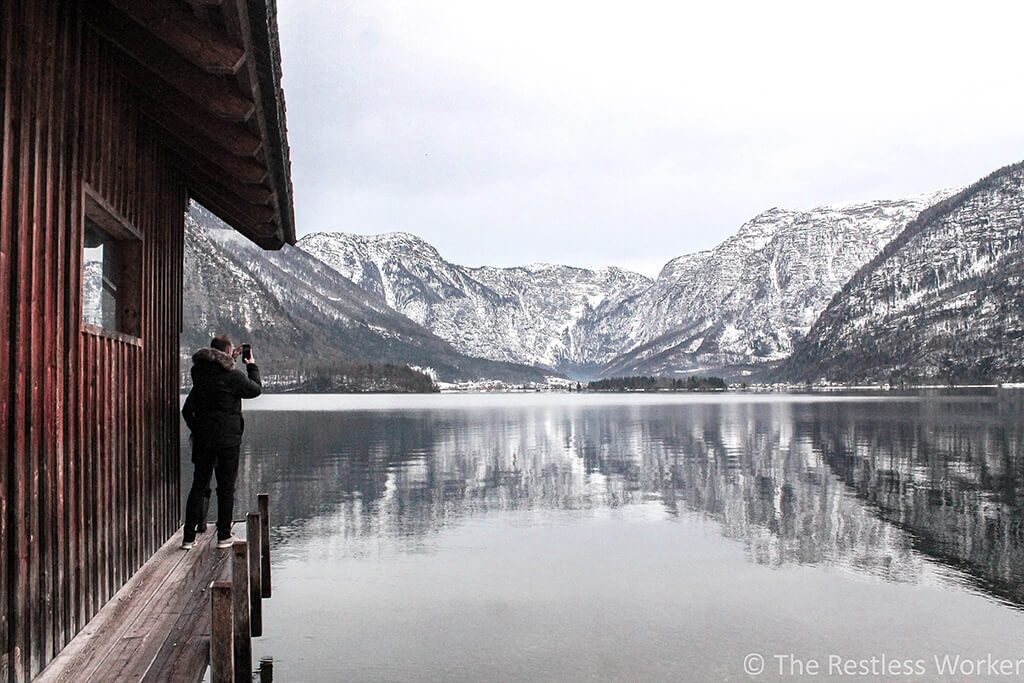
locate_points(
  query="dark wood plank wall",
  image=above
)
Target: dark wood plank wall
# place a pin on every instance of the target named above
(89, 476)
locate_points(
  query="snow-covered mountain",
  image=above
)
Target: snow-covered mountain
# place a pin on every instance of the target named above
(299, 312)
(747, 300)
(743, 302)
(527, 314)
(922, 287)
(944, 300)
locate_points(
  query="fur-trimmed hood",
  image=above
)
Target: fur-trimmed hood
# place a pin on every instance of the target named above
(212, 355)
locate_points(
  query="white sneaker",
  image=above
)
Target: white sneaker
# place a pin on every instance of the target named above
(187, 545)
(227, 542)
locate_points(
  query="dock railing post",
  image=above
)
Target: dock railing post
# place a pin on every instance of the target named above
(221, 651)
(264, 508)
(252, 536)
(242, 640)
(267, 670)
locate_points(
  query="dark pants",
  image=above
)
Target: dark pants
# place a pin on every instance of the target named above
(223, 462)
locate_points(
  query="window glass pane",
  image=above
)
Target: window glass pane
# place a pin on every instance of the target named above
(111, 271)
(100, 278)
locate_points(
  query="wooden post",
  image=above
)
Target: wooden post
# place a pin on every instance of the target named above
(267, 670)
(264, 508)
(252, 537)
(220, 633)
(242, 643)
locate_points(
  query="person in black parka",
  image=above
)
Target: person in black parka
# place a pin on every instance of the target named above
(213, 413)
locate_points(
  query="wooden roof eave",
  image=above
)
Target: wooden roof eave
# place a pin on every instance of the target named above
(268, 69)
(210, 79)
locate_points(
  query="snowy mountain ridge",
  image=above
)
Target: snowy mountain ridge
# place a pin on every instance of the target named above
(522, 314)
(744, 301)
(925, 287)
(943, 301)
(747, 300)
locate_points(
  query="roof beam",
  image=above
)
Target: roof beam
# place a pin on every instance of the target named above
(256, 219)
(158, 97)
(246, 170)
(231, 197)
(182, 30)
(219, 95)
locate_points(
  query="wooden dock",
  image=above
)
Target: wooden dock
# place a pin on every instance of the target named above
(158, 626)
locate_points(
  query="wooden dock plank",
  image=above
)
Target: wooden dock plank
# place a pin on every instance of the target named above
(77, 660)
(84, 655)
(187, 649)
(158, 627)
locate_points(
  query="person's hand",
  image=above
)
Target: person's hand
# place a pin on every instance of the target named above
(250, 359)
(236, 352)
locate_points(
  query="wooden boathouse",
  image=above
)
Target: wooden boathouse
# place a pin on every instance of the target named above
(115, 113)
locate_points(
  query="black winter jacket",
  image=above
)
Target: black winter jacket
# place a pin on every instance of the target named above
(213, 409)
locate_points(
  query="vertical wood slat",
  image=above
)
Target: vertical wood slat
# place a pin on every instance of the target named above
(34, 410)
(20, 642)
(141, 531)
(59, 159)
(43, 546)
(115, 571)
(96, 494)
(112, 504)
(7, 220)
(152, 357)
(109, 459)
(154, 354)
(57, 198)
(73, 387)
(123, 472)
(100, 495)
(158, 431)
(89, 484)
(49, 498)
(241, 633)
(263, 505)
(82, 486)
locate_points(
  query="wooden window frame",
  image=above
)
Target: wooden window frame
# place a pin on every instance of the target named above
(100, 212)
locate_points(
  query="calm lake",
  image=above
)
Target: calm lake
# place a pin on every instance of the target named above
(554, 537)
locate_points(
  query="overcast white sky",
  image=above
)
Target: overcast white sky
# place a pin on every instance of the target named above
(626, 133)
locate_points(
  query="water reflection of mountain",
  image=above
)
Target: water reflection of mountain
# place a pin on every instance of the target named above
(867, 486)
(950, 472)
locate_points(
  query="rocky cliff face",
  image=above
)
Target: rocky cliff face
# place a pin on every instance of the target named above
(944, 300)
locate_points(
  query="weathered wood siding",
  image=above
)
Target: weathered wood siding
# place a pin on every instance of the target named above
(89, 476)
